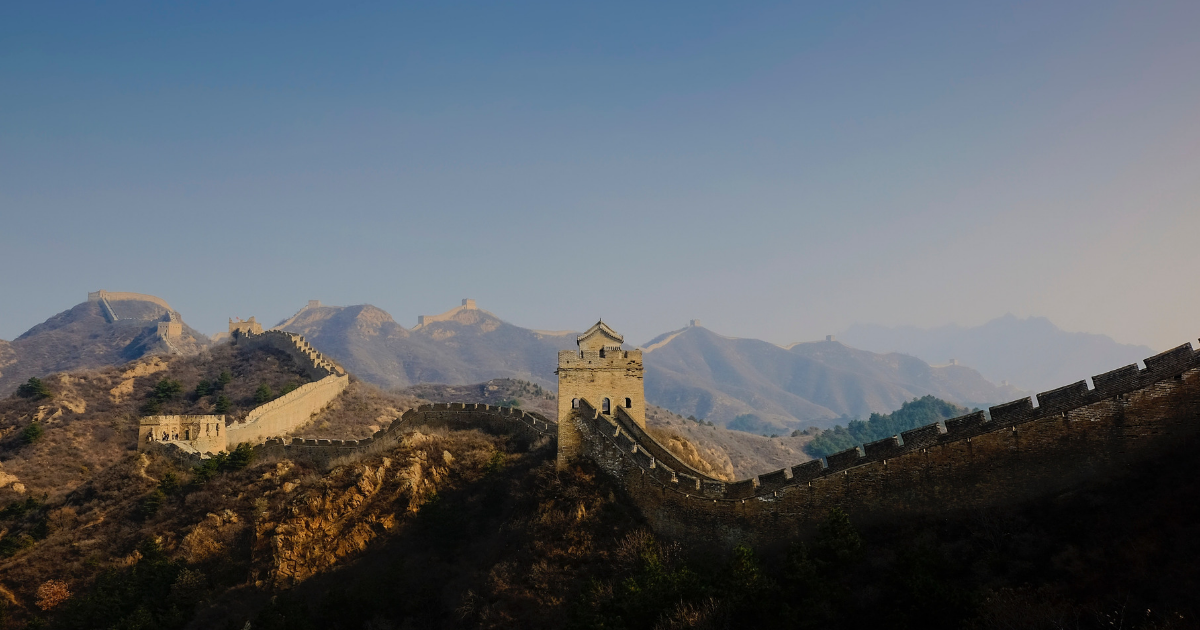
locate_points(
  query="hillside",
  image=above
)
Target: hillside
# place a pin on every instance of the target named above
(464, 345)
(714, 450)
(452, 529)
(89, 336)
(1031, 353)
(91, 420)
(755, 386)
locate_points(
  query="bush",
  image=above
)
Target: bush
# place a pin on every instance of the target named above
(33, 432)
(204, 388)
(222, 404)
(34, 388)
(166, 389)
(224, 379)
(262, 394)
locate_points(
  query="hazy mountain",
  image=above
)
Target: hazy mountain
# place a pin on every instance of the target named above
(464, 345)
(1031, 353)
(698, 372)
(93, 334)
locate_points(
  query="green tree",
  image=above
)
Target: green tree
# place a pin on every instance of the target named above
(222, 404)
(32, 433)
(224, 378)
(166, 389)
(203, 388)
(34, 388)
(262, 394)
(912, 414)
(240, 457)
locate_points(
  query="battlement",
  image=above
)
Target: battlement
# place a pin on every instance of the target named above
(244, 326)
(468, 304)
(528, 426)
(603, 372)
(599, 359)
(1018, 449)
(114, 296)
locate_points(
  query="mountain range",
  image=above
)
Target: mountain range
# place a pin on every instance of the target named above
(743, 384)
(756, 386)
(1031, 353)
(94, 334)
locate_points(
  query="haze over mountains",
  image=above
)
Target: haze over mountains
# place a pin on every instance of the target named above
(695, 371)
(464, 345)
(1031, 353)
(744, 384)
(692, 371)
(89, 336)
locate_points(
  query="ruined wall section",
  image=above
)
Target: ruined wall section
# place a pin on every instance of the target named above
(527, 426)
(202, 433)
(1014, 452)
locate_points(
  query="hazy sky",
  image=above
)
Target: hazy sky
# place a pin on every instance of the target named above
(779, 171)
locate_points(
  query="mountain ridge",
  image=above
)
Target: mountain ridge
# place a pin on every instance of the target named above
(1032, 353)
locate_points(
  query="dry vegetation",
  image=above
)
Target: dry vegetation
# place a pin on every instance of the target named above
(91, 420)
(359, 412)
(504, 392)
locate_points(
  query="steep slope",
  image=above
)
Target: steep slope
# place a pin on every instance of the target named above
(698, 372)
(94, 334)
(464, 345)
(1030, 353)
(724, 454)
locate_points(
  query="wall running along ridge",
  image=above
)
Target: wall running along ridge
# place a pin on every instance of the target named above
(199, 435)
(527, 426)
(1013, 452)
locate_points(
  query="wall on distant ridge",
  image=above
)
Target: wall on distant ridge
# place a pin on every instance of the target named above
(112, 296)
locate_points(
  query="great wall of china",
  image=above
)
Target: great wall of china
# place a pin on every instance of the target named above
(1025, 449)
(1012, 452)
(194, 436)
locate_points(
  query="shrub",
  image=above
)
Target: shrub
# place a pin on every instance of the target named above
(52, 593)
(151, 503)
(167, 389)
(224, 379)
(262, 394)
(204, 388)
(34, 388)
(222, 404)
(33, 432)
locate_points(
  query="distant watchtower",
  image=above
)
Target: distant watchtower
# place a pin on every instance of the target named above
(607, 377)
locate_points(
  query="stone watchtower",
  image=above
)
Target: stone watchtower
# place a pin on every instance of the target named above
(604, 375)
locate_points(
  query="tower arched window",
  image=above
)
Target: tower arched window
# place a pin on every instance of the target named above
(606, 406)
(574, 403)
(628, 403)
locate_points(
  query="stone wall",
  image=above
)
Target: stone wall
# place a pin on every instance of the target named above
(595, 375)
(278, 417)
(527, 426)
(1013, 452)
(97, 296)
(286, 413)
(317, 365)
(204, 434)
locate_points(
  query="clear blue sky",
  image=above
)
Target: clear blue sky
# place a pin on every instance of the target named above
(778, 170)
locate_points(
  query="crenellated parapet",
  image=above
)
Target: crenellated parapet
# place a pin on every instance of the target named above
(528, 426)
(1017, 450)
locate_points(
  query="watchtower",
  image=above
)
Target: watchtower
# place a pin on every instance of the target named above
(609, 378)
